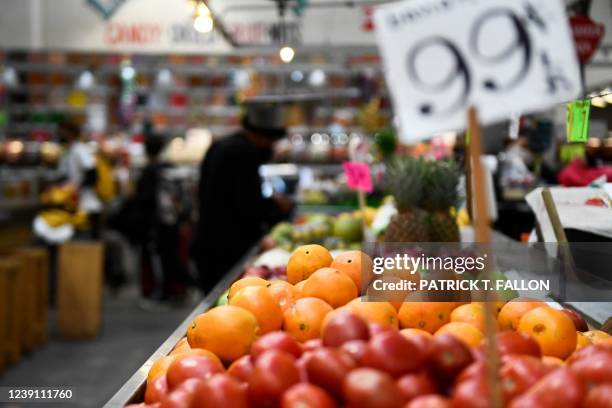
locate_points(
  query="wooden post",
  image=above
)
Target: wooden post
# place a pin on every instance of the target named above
(362, 206)
(480, 219)
(480, 212)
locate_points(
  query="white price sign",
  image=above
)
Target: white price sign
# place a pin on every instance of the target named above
(501, 56)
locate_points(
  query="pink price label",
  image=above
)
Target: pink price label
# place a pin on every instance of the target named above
(358, 176)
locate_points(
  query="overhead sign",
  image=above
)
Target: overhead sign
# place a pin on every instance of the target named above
(587, 36)
(501, 56)
(166, 26)
(106, 7)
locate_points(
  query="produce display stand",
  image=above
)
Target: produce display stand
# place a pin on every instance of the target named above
(133, 390)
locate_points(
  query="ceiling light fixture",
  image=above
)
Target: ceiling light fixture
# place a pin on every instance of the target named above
(286, 54)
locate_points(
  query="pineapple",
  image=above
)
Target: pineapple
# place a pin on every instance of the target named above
(440, 196)
(405, 178)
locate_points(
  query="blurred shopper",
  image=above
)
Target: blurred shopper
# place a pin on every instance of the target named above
(163, 274)
(233, 212)
(78, 165)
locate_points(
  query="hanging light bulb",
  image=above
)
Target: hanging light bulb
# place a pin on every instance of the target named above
(286, 54)
(203, 22)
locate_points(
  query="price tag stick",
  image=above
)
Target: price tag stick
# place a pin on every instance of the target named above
(361, 198)
(480, 219)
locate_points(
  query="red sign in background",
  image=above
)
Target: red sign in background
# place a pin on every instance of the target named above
(587, 36)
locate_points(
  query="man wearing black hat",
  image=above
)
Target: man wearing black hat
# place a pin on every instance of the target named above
(233, 212)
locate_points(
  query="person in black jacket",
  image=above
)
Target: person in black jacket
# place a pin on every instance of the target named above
(233, 212)
(163, 274)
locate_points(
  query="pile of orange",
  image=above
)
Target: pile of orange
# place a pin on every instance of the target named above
(319, 287)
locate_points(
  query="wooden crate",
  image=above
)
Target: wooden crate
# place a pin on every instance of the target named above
(12, 310)
(79, 289)
(36, 262)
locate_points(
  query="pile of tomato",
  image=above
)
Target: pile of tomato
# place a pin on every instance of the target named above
(358, 364)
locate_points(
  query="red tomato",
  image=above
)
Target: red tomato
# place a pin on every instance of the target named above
(242, 368)
(307, 396)
(599, 397)
(415, 385)
(183, 395)
(377, 328)
(579, 322)
(477, 369)
(393, 353)
(355, 348)
(448, 357)
(559, 389)
(275, 371)
(156, 390)
(429, 401)
(471, 393)
(594, 369)
(312, 344)
(589, 351)
(191, 367)
(327, 369)
(276, 341)
(518, 373)
(221, 390)
(302, 364)
(370, 388)
(343, 327)
(512, 342)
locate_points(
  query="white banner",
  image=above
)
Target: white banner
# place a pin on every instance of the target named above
(166, 26)
(501, 56)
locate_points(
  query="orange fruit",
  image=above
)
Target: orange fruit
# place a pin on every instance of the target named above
(596, 336)
(284, 293)
(245, 282)
(465, 332)
(227, 331)
(605, 341)
(355, 264)
(582, 340)
(181, 346)
(200, 352)
(499, 304)
(265, 308)
(415, 332)
(305, 260)
(330, 285)
(471, 313)
(300, 287)
(374, 312)
(428, 316)
(304, 318)
(553, 330)
(388, 288)
(552, 361)
(510, 314)
(159, 367)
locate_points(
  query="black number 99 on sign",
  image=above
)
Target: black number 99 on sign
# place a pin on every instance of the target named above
(518, 52)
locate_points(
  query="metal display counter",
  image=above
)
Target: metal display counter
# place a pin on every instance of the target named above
(133, 390)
